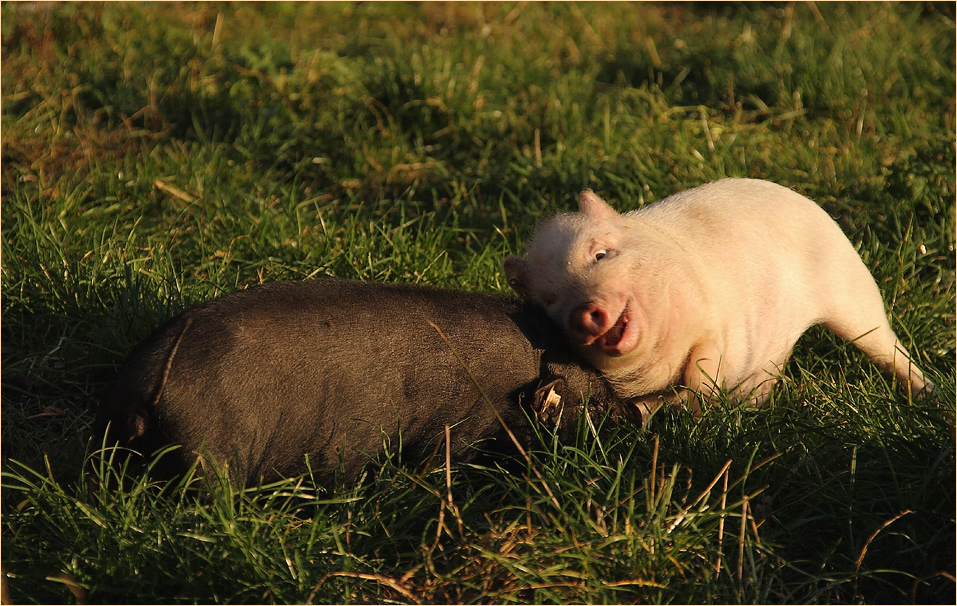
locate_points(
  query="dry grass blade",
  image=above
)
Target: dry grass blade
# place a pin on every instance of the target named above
(941, 573)
(387, 581)
(634, 582)
(724, 503)
(860, 558)
(448, 478)
(723, 473)
(741, 537)
(449, 502)
(684, 510)
(174, 191)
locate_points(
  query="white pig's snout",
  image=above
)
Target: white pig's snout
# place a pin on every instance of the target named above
(589, 321)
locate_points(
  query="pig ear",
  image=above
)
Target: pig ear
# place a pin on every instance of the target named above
(547, 403)
(591, 205)
(516, 270)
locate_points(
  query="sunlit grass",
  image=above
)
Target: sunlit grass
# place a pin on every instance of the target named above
(157, 155)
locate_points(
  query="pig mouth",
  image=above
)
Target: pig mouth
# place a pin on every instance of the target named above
(619, 339)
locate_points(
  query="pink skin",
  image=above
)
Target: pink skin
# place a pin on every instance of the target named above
(707, 289)
(607, 326)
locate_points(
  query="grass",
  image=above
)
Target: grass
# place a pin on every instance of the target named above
(156, 155)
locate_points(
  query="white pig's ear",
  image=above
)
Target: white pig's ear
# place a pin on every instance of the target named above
(516, 270)
(592, 206)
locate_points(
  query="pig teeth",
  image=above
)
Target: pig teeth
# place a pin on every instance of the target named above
(614, 334)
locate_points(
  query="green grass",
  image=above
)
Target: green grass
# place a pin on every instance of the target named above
(156, 155)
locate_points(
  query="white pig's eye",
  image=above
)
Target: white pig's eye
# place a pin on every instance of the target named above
(605, 253)
(599, 252)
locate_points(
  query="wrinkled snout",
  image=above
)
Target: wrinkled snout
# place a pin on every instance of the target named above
(588, 322)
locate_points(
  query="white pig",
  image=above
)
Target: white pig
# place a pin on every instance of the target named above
(709, 288)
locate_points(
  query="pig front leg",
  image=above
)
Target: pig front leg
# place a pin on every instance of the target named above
(702, 377)
(645, 407)
(700, 381)
(640, 410)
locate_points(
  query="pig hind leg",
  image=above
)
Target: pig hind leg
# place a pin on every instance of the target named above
(857, 315)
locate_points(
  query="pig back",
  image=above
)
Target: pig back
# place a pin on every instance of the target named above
(330, 369)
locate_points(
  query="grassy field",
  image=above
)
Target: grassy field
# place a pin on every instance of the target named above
(156, 155)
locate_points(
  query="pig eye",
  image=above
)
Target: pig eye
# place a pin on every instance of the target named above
(605, 253)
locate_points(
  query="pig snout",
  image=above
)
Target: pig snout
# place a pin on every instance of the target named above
(589, 321)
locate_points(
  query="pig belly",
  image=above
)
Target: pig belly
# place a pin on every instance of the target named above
(752, 383)
(762, 327)
(769, 263)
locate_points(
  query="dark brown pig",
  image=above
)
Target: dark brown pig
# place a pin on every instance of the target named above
(332, 370)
